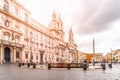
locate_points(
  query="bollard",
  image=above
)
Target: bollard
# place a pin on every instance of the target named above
(85, 66)
(19, 64)
(49, 66)
(28, 65)
(34, 65)
(103, 66)
(110, 65)
(23, 64)
(68, 66)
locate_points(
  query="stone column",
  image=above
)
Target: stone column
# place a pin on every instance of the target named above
(0, 16)
(22, 57)
(1, 54)
(14, 55)
(33, 54)
(11, 55)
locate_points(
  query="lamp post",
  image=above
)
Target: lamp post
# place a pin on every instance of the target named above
(110, 64)
(111, 56)
(94, 57)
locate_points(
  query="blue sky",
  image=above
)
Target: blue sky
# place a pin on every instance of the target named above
(98, 19)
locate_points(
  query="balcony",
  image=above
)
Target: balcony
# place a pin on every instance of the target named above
(4, 42)
(16, 45)
(19, 45)
(12, 44)
(41, 50)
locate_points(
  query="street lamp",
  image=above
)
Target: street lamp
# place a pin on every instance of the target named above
(110, 64)
(111, 55)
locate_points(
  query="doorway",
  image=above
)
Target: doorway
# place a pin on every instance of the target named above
(7, 55)
(41, 58)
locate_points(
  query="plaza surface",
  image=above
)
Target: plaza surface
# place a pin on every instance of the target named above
(13, 72)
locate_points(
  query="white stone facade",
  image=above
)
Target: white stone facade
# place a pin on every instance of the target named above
(24, 39)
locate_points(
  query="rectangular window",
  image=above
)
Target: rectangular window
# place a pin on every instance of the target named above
(41, 38)
(45, 39)
(16, 11)
(36, 56)
(17, 55)
(31, 55)
(36, 37)
(49, 41)
(26, 55)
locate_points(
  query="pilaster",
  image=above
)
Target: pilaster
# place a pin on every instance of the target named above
(22, 57)
(1, 54)
(14, 54)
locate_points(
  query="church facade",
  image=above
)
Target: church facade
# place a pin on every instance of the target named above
(25, 40)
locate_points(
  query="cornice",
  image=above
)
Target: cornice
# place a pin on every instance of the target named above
(25, 23)
(20, 5)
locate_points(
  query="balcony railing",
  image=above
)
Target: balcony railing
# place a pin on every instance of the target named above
(19, 45)
(42, 50)
(4, 42)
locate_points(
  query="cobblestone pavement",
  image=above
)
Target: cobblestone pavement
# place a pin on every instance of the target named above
(13, 72)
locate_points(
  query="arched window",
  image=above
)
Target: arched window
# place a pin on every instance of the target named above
(6, 5)
(7, 23)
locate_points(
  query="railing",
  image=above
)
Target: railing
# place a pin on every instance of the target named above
(4, 42)
(42, 50)
(19, 45)
(12, 44)
(66, 65)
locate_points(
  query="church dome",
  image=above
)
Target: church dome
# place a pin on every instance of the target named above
(53, 25)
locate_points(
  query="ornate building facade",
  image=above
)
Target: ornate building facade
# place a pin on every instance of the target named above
(24, 39)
